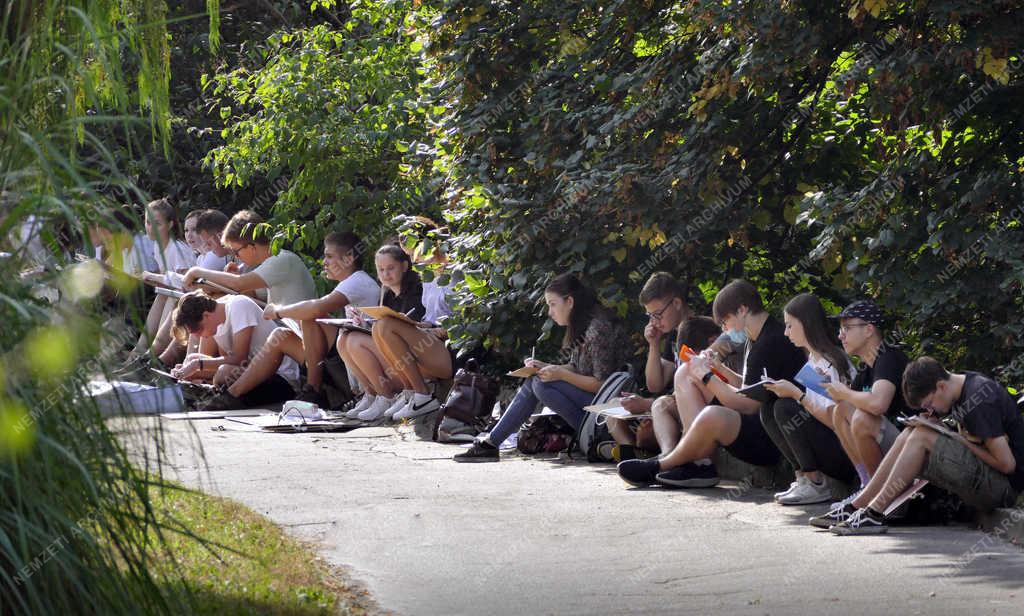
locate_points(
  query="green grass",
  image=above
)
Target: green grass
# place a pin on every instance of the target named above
(256, 569)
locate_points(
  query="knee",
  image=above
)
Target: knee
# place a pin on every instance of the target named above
(711, 419)
(278, 336)
(864, 425)
(786, 410)
(665, 406)
(681, 379)
(225, 375)
(918, 438)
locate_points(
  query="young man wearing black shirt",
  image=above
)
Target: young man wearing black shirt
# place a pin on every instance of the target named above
(867, 409)
(713, 412)
(980, 464)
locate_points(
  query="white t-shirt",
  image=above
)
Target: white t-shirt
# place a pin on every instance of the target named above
(209, 260)
(435, 301)
(360, 288)
(241, 312)
(145, 250)
(823, 366)
(176, 256)
(288, 280)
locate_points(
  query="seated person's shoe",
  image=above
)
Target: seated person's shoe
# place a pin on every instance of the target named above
(807, 493)
(791, 487)
(836, 514)
(414, 409)
(364, 403)
(640, 473)
(479, 451)
(221, 401)
(690, 475)
(861, 522)
(311, 395)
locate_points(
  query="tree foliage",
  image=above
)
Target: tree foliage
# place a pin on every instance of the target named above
(865, 149)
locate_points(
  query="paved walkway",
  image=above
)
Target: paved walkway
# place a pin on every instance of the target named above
(548, 536)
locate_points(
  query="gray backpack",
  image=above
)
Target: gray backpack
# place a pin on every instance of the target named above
(593, 437)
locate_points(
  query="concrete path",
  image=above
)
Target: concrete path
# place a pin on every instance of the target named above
(549, 536)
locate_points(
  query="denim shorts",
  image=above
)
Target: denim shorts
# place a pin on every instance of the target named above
(953, 467)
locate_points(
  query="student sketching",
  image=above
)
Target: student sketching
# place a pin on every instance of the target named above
(343, 263)
(597, 346)
(802, 424)
(733, 422)
(981, 463)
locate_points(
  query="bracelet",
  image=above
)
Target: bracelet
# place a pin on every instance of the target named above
(707, 377)
(800, 400)
(200, 365)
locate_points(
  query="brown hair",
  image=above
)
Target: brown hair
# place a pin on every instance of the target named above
(166, 211)
(211, 221)
(245, 228)
(697, 333)
(734, 295)
(189, 313)
(662, 285)
(346, 241)
(920, 378)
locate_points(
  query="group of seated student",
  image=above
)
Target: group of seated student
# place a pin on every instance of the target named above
(246, 348)
(847, 435)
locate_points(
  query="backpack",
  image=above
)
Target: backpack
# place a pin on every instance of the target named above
(544, 434)
(467, 409)
(593, 438)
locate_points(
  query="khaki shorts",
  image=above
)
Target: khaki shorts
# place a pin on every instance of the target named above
(887, 435)
(953, 467)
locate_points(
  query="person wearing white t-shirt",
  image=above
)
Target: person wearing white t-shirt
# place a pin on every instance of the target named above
(283, 275)
(234, 334)
(342, 262)
(172, 256)
(200, 227)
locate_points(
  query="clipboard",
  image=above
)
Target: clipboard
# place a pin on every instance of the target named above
(348, 325)
(380, 312)
(613, 408)
(523, 373)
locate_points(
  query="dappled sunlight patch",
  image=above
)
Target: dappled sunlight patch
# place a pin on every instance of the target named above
(17, 430)
(50, 352)
(84, 280)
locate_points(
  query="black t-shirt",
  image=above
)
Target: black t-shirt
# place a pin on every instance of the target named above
(773, 353)
(411, 299)
(889, 366)
(986, 410)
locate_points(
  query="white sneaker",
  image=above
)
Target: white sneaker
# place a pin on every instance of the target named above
(401, 399)
(360, 406)
(791, 487)
(807, 493)
(414, 409)
(376, 410)
(846, 501)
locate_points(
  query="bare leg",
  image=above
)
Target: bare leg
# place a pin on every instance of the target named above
(412, 353)
(620, 431)
(344, 345)
(370, 362)
(226, 373)
(865, 428)
(163, 333)
(173, 354)
(314, 344)
(667, 429)
(281, 342)
(690, 398)
(841, 416)
(714, 426)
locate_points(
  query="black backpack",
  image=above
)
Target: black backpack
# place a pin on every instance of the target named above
(593, 438)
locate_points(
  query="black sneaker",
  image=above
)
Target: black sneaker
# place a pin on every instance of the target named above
(221, 401)
(861, 522)
(480, 451)
(833, 516)
(690, 475)
(314, 396)
(640, 473)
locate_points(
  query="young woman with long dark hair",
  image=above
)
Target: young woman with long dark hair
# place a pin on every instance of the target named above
(801, 422)
(596, 345)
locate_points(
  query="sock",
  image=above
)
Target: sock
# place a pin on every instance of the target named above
(418, 398)
(862, 472)
(878, 515)
(703, 462)
(627, 452)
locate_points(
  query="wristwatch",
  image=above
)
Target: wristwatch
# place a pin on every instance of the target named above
(707, 377)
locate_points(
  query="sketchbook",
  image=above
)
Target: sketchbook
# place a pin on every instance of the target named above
(348, 325)
(379, 312)
(614, 408)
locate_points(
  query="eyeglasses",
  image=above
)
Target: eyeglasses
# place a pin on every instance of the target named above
(656, 315)
(234, 253)
(846, 328)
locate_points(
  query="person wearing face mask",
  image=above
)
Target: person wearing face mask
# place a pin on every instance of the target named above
(596, 345)
(713, 411)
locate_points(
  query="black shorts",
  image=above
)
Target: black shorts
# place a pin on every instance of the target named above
(273, 390)
(752, 444)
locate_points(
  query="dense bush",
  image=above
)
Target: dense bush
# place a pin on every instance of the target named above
(871, 149)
